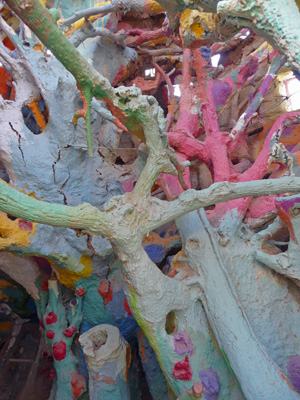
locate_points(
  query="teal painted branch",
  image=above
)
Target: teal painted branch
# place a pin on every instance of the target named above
(41, 22)
(84, 216)
(59, 335)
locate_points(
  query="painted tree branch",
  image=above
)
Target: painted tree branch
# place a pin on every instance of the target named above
(88, 31)
(90, 219)
(114, 6)
(25, 207)
(192, 200)
(59, 335)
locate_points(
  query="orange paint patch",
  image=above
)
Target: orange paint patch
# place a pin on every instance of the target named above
(7, 90)
(8, 43)
(78, 384)
(40, 119)
(285, 218)
(141, 346)
(128, 359)
(5, 326)
(3, 297)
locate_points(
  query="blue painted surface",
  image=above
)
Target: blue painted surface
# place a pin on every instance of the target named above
(155, 252)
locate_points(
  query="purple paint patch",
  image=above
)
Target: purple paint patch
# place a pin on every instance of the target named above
(252, 68)
(265, 85)
(293, 367)
(287, 204)
(210, 381)
(221, 91)
(183, 343)
(287, 130)
(249, 113)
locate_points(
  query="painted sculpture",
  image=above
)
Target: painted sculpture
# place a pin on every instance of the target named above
(149, 200)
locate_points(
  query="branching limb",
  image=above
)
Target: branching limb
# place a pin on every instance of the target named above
(84, 216)
(162, 212)
(88, 31)
(280, 263)
(113, 6)
(161, 52)
(146, 36)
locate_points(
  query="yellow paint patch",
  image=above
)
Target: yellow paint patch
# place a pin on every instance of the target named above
(264, 44)
(158, 41)
(154, 7)
(197, 30)
(38, 47)
(43, 2)
(195, 23)
(5, 284)
(69, 278)
(12, 234)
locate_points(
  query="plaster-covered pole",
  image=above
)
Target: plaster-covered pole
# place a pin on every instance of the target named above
(259, 376)
(107, 355)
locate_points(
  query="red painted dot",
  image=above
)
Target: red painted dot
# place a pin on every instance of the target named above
(182, 370)
(127, 308)
(69, 332)
(52, 374)
(80, 292)
(59, 350)
(172, 273)
(25, 225)
(42, 323)
(51, 318)
(105, 290)
(45, 286)
(50, 334)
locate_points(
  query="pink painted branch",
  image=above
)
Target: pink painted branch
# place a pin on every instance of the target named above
(188, 145)
(188, 117)
(258, 170)
(216, 142)
(146, 36)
